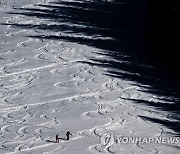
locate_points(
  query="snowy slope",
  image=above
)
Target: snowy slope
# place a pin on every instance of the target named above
(48, 87)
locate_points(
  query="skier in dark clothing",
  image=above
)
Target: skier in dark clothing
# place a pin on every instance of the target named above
(57, 138)
(68, 134)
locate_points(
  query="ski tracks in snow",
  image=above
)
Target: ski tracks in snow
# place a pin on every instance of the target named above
(45, 89)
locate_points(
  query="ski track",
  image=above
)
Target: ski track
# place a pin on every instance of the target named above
(29, 119)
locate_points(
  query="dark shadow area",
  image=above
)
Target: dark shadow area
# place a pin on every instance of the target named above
(174, 125)
(164, 32)
(50, 141)
(172, 121)
(64, 139)
(137, 36)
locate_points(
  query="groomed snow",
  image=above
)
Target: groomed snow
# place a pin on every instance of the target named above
(47, 88)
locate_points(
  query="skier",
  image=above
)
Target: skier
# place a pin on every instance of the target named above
(57, 138)
(67, 135)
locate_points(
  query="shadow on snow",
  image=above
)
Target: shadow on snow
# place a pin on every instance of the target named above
(120, 30)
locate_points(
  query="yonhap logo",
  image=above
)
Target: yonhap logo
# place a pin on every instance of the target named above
(147, 140)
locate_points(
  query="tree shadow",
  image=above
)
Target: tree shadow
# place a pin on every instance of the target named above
(174, 125)
(124, 31)
(171, 121)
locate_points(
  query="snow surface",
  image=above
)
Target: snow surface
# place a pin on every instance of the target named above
(46, 88)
